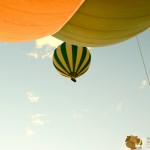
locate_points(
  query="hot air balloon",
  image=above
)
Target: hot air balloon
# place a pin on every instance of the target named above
(24, 20)
(79, 22)
(133, 142)
(71, 61)
(106, 22)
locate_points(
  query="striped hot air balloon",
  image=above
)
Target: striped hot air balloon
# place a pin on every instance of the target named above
(71, 61)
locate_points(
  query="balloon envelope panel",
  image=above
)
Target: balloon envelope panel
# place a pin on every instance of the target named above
(106, 22)
(24, 20)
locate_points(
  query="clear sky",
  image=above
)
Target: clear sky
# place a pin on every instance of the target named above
(42, 110)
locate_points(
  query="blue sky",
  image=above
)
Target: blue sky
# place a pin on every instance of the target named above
(42, 110)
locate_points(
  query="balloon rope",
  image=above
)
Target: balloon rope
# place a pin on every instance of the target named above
(143, 60)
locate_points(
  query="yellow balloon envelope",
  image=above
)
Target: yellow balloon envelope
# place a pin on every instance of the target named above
(71, 61)
(106, 22)
(23, 20)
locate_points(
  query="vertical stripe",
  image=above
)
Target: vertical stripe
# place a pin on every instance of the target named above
(83, 70)
(59, 65)
(69, 55)
(84, 62)
(60, 71)
(64, 54)
(79, 55)
(74, 56)
(82, 58)
(61, 58)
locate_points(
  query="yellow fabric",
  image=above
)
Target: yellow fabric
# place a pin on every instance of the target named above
(59, 67)
(79, 55)
(69, 55)
(24, 20)
(85, 61)
(61, 58)
(84, 70)
(105, 22)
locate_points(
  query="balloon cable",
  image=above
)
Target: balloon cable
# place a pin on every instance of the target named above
(143, 61)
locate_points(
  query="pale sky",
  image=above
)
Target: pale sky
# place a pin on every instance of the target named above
(42, 110)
